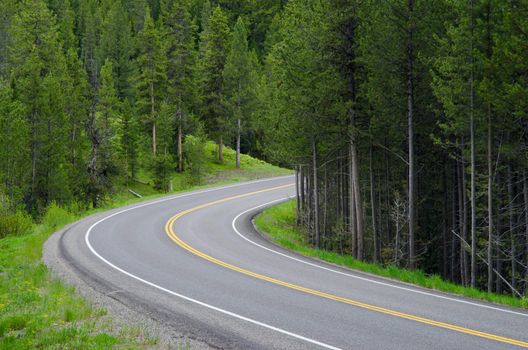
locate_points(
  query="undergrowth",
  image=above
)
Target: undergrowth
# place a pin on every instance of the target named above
(279, 224)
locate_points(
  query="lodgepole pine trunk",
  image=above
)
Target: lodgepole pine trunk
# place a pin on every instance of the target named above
(315, 194)
(445, 220)
(152, 116)
(352, 208)
(473, 163)
(490, 207)
(410, 121)
(238, 144)
(525, 193)
(512, 229)
(180, 141)
(373, 207)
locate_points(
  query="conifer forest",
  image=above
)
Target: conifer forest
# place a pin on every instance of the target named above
(406, 121)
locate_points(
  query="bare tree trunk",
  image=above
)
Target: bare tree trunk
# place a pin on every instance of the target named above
(410, 115)
(445, 224)
(525, 192)
(315, 194)
(180, 141)
(358, 202)
(511, 226)
(388, 233)
(325, 205)
(238, 144)
(297, 193)
(490, 207)
(462, 214)
(463, 252)
(301, 206)
(473, 161)
(352, 207)
(454, 225)
(153, 116)
(373, 207)
(397, 240)
(497, 251)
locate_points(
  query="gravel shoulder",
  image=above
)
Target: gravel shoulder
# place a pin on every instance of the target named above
(120, 316)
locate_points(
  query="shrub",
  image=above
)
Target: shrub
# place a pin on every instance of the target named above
(16, 223)
(56, 216)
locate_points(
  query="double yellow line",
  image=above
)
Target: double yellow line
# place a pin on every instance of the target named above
(170, 232)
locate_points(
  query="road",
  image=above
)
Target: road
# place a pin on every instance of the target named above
(194, 262)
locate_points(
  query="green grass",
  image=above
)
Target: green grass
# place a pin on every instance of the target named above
(215, 173)
(39, 311)
(278, 223)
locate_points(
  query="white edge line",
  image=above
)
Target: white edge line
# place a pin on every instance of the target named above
(229, 313)
(233, 224)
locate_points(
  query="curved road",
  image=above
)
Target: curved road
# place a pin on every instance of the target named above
(194, 262)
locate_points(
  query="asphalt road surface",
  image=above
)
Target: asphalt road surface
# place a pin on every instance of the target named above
(194, 262)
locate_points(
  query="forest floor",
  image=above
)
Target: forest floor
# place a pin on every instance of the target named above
(278, 223)
(37, 310)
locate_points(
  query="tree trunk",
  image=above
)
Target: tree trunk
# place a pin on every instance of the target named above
(445, 225)
(490, 207)
(352, 207)
(297, 193)
(180, 142)
(238, 144)
(525, 192)
(388, 226)
(473, 163)
(462, 214)
(454, 224)
(373, 207)
(358, 204)
(410, 116)
(497, 254)
(302, 203)
(511, 226)
(153, 116)
(325, 207)
(315, 194)
(397, 239)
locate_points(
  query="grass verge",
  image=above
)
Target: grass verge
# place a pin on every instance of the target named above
(279, 224)
(38, 311)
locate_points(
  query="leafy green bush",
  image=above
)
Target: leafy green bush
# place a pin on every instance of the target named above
(56, 216)
(16, 223)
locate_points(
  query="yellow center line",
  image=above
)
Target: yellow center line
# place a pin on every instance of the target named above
(170, 232)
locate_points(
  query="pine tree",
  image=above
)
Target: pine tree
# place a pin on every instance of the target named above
(216, 46)
(14, 153)
(152, 79)
(179, 38)
(240, 80)
(116, 44)
(103, 161)
(38, 87)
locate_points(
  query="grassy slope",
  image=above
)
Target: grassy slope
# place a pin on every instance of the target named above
(278, 223)
(215, 173)
(39, 311)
